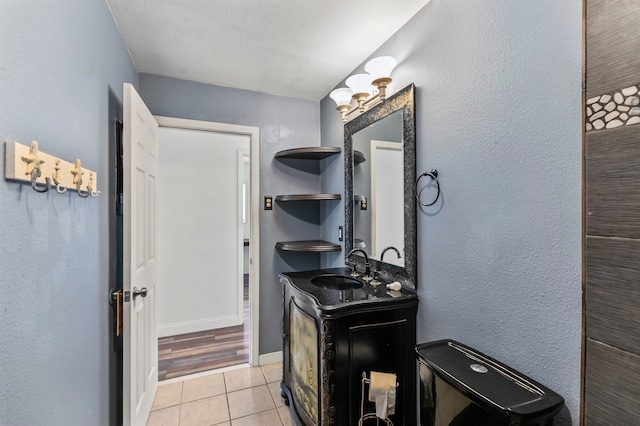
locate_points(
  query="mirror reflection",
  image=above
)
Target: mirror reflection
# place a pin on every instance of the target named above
(380, 169)
(378, 189)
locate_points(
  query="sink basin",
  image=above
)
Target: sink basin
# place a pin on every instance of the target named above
(336, 282)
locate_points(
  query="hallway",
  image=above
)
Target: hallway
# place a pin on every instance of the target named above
(207, 350)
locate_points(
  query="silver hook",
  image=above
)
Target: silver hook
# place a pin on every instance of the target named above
(77, 179)
(90, 190)
(82, 194)
(35, 174)
(56, 179)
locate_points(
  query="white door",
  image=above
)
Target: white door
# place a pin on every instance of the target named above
(140, 265)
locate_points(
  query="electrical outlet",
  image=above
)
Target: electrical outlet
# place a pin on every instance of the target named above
(268, 202)
(363, 204)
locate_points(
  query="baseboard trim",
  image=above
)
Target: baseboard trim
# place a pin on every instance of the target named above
(270, 358)
(198, 325)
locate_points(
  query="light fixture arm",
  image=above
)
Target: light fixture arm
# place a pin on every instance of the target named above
(361, 98)
(344, 109)
(381, 84)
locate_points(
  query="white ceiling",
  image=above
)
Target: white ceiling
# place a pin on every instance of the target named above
(297, 48)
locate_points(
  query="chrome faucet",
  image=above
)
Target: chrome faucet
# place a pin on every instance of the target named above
(389, 248)
(375, 281)
(367, 270)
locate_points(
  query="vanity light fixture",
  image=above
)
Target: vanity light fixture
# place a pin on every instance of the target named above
(380, 70)
(360, 87)
(342, 98)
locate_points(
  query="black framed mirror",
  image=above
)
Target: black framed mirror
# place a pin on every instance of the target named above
(380, 172)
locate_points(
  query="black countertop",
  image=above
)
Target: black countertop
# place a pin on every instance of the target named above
(333, 301)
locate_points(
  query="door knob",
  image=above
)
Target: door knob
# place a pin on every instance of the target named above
(142, 292)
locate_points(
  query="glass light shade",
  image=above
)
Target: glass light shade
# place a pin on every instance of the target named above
(359, 83)
(341, 96)
(381, 67)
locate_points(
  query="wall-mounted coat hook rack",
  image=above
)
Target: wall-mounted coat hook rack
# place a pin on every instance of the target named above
(30, 165)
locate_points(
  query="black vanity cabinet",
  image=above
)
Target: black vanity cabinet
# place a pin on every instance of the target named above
(331, 337)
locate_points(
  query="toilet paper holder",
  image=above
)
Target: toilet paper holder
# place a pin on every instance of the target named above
(370, 416)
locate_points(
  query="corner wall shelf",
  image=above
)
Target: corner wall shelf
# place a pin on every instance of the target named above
(289, 157)
(308, 197)
(308, 246)
(358, 157)
(309, 153)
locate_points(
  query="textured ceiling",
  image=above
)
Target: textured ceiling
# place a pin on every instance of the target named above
(297, 48)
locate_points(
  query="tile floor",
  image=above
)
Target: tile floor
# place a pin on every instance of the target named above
(243, 397)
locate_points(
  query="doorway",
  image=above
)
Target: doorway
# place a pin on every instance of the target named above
(208, 239)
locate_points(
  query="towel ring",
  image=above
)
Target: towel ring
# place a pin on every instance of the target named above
(433, 174)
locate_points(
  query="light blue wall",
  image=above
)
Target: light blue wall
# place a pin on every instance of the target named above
(332, 181)
(61, 64)
(499, 115)
(284, 123)
(498, 109)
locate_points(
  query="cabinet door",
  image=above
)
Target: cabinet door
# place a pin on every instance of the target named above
(377, 347)
(303, 363)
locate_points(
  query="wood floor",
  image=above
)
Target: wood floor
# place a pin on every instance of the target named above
(205, 350)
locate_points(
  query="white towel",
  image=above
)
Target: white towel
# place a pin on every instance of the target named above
(382, 391)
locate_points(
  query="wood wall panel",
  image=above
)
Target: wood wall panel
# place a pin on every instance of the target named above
(613, 43)
(613, 292)
(611, 386)
(613, 181)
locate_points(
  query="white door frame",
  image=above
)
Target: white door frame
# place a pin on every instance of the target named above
(254, 244)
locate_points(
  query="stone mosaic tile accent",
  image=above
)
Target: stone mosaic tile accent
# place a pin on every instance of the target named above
(620, 108)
